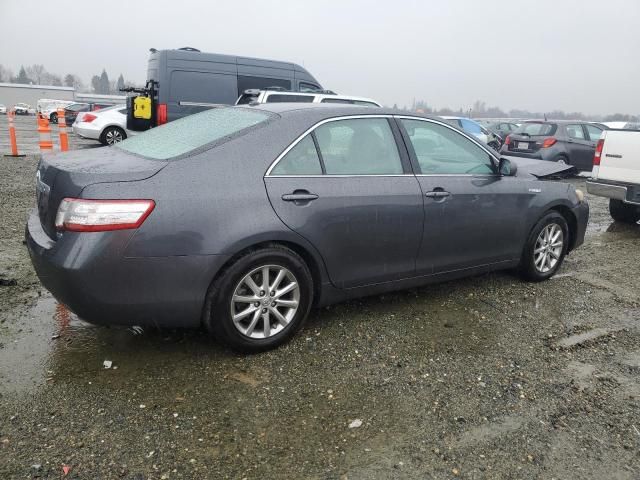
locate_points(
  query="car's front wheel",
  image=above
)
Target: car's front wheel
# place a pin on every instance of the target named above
(624, 212)
(546, 248)
(112, 135)
(261, 300)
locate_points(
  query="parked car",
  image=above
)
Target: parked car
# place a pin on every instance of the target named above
(474, 128)
(187, 81)
(23, 109)
(253, 96)
(616, 173)
(48, 108)
(258, 213)
(72, 111)
(3, 109)
(502, 129)
(571, 142)
(107, 125)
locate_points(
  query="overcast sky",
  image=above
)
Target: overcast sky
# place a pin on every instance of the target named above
(574, 55)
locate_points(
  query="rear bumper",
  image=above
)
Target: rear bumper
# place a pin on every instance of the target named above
(617, 191)
(89, 273)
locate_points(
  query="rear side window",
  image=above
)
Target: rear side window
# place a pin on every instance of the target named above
(261, 83)
(278, 98)
(202, 87)
(192, 132)
(535, 128)
(300, 160)
(358, 147)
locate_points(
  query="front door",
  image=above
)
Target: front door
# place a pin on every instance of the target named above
(580, 147)
(473, 216)
(347, 190)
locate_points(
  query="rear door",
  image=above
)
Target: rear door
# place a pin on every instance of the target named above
(473, 216)
(579, 146)
(348, 189)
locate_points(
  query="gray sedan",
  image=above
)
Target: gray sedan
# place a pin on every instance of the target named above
(243, 218)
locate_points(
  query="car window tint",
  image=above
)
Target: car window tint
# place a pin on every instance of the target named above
(189, 133)
(469, 126)
(359, 147)
(441, 150)
(594, 132)
(575, 131)
(300, 160)
(279, 98)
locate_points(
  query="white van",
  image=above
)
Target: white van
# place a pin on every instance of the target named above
(254, 96)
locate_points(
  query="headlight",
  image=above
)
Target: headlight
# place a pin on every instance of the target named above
(580, 195)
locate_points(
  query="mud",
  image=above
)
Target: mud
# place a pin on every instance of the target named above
(460, 380)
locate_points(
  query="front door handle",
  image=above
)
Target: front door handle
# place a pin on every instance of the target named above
(437, 194)
(299, 196)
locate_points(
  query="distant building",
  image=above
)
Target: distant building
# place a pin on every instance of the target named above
(12, 93)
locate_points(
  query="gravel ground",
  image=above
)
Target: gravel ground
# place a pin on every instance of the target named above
(487, 377)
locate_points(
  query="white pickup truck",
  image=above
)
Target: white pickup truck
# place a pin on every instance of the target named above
(616, 173)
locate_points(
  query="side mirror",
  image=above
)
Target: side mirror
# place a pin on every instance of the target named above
(506, 168)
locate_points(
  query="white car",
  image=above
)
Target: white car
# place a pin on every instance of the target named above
(3, 109)
(107, 125)
(23, 109)
(255, 96)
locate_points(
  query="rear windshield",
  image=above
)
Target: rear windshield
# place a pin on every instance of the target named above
(192, 132)
(535, 128)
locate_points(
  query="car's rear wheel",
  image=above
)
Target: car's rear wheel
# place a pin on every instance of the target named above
(546, 248)
(562, 159)
(624, 212)
(53, 118)
(112, 135)
(261, 300)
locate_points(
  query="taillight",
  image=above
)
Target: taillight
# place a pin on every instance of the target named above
(161, 114)
(83, 215)
(507, 141)
(548, 142)
(88, 118)
(598, 152)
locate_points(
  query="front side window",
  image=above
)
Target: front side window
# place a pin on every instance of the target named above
(300, 160)
(594, 132)
(363, 146)
(192, 132)
(443, 151)
(575, 131)
(308, 87)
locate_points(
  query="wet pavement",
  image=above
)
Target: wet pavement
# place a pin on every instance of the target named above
(487, 377)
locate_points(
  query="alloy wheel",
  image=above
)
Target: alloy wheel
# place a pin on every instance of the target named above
(113, 136)
(265, 301)
(548, 249)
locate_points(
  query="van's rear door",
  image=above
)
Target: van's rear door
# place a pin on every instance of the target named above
(620, 159)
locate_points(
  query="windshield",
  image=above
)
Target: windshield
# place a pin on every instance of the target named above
(192, 132)
(537, 128)
(76, 107)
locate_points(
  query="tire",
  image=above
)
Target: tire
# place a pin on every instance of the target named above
(53, 118)
(112, 135)
(562, 159)
(624, 212)
(531, 266)
(249, 332)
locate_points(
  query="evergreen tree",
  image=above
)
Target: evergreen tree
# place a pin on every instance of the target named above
(119, 83)
(105, 86)
(22, 76)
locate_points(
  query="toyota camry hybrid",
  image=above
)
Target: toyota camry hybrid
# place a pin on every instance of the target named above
(240, 219)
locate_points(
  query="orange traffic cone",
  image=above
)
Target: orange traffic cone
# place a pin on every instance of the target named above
(44, 131)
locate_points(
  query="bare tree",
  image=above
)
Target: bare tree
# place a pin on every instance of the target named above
(36, 73)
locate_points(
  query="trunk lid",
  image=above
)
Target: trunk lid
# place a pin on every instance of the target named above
(67, 174)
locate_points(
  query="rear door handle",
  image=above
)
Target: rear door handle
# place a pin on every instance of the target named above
(299, 196)
(437, 194)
